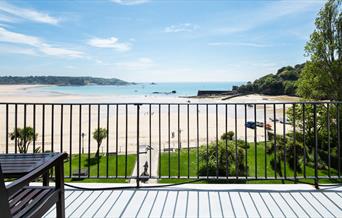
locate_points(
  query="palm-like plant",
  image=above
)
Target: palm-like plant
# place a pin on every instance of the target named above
(99, 135)
(24, 137)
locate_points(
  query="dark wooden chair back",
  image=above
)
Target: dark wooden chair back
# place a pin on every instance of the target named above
(4, 204)
(18, 199)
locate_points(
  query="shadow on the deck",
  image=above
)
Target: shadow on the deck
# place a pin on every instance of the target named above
(207, 201)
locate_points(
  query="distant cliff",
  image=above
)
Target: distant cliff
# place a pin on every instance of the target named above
(281, 83)
(60, 80)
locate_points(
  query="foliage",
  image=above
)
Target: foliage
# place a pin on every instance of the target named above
(227, 135)
(281, 83)
(24, 137)
(289, 150)
(225, 156)
(289, 87)
(322, 75)
(60, 80)
(99, 135)
(304, 120)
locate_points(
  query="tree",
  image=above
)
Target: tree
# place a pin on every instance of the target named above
(24, 137)
(320, 79)
(281, 83)
(99, 134)
(225, 157)
(322, 75)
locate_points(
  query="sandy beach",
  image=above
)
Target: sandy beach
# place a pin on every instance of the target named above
(211, 119)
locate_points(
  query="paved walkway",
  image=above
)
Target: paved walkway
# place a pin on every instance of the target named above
(154, 164)
(205, 201)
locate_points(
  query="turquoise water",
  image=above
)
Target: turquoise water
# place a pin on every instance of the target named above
(182, 89)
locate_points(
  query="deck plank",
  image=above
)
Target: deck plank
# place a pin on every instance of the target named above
(204, 201)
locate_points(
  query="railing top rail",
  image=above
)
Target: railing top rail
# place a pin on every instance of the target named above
(175, 103)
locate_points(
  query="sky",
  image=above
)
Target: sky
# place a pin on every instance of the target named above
(154, 40)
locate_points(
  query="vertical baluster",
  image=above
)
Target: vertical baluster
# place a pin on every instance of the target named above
(217, 160)
(25, 139)
(89, 137)
(52, 127)
(338, 140)
(61, 130)
(255, 143)
(328, 128)
(169, 160)
(304, 120)
(236, 146)
(43, 128)
(207, 140)
(197, 138)
(150, 138)
(246, 143)
(107, 143)
(138, 145)
(294, 141)
(79, 139)
(7, 129)
(117, 141)
(98, 136)
(226, 140)
(70, 145)
(188, 131)
(316, 144)
(159, 136)
(15, 128)
(179, 142)
(275, 141)
(126, 139)
(284, 138)
(34, 127)
(265, 141)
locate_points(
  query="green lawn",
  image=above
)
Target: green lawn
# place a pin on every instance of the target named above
(261, 169)
(185, 168)
(102, 167)
(164, 165)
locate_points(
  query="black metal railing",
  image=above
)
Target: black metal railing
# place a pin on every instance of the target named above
(237, 141)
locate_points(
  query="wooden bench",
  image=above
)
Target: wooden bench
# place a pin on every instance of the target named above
(18, 199)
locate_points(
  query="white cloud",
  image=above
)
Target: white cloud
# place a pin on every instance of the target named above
(111, 42)
(28, 14)
(271, 12)
(184, 27)
(17, 50)
(130, 2)
(39, 44)
(7, 19)
(239, 44)
(139, 64)
(13, 37)
(60, 52)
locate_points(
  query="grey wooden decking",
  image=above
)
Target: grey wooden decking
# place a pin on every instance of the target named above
(205, 201)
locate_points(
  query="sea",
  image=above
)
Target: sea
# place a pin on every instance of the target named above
(143, 89)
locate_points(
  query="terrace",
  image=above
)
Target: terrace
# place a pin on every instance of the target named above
(125, 154)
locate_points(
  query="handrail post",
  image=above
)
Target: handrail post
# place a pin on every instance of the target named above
(316, 145)
(138, 145)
